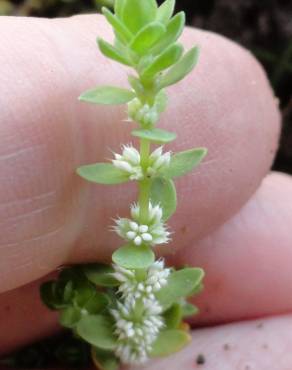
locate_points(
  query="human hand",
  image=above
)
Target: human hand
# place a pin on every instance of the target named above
(229, 221)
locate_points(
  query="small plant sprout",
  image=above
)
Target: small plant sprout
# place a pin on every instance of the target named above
(133, 310)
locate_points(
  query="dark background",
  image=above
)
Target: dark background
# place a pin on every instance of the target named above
(263, 26)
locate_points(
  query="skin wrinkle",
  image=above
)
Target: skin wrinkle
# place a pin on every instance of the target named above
(19, 207)
(54, 215)
(44, 235)
(29, 213)
(33, 238)
(9, 265)
(40, 263)
(14, 155)
(20, 175)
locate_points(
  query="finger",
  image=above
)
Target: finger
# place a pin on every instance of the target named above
(255, 345)
(248, 260)
(247, 264)
(48, 215)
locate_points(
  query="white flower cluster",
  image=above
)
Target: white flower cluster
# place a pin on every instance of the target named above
(142, 113)
(152, 232)
(136, 333)
(130, 162)
(132, 289)
(158, 161)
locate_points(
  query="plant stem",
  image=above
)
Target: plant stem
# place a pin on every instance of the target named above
(144, 185)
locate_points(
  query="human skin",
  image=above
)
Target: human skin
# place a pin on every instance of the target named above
(234, 218)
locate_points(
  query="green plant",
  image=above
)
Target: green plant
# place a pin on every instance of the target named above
(133, 310)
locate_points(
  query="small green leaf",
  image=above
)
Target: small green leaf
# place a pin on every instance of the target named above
(121, 47)
(97, 303)
(165, 11)
(83, 292)
(174, 29)
(147, 37)
(189, 309)
(173, 316)
(117, 25)
(169, 342)
(155, 134)
(144, 61)
(49, 296)
(181, 68)
(103, 173)
(161, 101)
(181, 283)
(107, 95)
(136, 13)
(111, 52)
(68, 291)
(165, 60)
(57, 294)
(63, 291)
(136, 85)
(104, 360)
(198, 289)
(133, 257)
(97, 330)
(119, 6)
(163, 192)
(100, 274)
(69, 317)
(184, 162)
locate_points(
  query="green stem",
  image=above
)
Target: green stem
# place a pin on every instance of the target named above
(144, 152)
(144, 185)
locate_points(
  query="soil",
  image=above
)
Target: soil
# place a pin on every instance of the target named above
(201, 360)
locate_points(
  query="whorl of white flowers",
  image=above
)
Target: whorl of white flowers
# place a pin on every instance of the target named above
(136, 336)
(158, 161)
(130, 162)
(132, 289)
(142, 113)
(152, 232)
